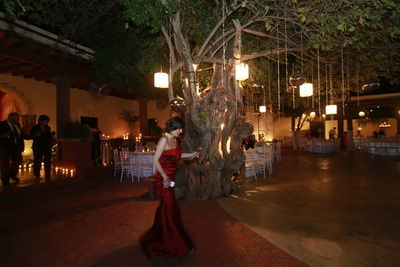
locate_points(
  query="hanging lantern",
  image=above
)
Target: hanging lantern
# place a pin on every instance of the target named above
(331, 109)
(177, 104)
(262, 109)
(161, 80)
(296, 80)
(361, 113)
(306, 89)
(242, 72)
(312, 114)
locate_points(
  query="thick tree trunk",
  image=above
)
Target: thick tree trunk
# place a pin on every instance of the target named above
(213, 122)
(220, 136)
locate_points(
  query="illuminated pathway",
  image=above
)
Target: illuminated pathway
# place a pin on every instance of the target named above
(338, 210)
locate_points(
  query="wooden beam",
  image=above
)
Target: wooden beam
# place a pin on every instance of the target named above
(34, 74)
(6, 62)
(12, 67)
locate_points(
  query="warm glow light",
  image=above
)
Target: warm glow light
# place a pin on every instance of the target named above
(331, 109)
(384, 125)
(222, 126)
(304, 115)
(242, 72)
(263, 109)
(361, 113)
(161, 80)
(220, 148)
(306, 89)
(323, 116)
(195, 66)
(313, 114)
(228, 144)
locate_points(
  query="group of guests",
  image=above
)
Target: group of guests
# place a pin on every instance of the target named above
(12, 145)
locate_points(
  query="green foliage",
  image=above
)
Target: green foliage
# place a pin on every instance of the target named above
(128, 116)
(127, 58)
(149, 13)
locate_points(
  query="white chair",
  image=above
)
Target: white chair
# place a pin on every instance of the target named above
(126, 167)
(145, 163)
(268, 157)
(125, 153)
(250, 166)
(134, 165)
(258, 164)
(117, 162)
(277, 151)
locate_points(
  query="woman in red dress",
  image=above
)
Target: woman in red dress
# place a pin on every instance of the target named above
(167, 237)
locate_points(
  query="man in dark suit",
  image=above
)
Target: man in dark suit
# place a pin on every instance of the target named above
(42, 143)
(16, 146)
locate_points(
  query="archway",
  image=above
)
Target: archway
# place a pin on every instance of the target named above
(13, 100)
(8, 103)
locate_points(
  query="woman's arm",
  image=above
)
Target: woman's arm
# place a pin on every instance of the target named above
(162, 143)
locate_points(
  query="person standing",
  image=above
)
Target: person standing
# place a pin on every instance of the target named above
(41, 146)
(167, 237)
(16, 145)
(332, 133)
(4, 155)
(96, 147)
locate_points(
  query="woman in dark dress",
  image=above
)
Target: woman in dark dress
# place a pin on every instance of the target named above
(167, 237)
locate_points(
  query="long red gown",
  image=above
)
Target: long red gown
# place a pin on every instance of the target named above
(167, 237)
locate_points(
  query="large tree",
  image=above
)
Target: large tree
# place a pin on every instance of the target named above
(221, 34)
(293, 36)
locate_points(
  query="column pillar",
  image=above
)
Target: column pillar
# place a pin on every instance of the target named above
(340, 124)
(63, 101)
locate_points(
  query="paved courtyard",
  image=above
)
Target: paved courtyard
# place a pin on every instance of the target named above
(332, 210)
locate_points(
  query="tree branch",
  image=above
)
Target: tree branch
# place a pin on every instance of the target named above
(209, 37)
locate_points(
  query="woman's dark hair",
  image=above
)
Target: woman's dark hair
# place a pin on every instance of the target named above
(173, 124)
(44, 118)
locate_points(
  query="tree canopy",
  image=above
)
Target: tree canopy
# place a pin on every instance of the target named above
(127, 34)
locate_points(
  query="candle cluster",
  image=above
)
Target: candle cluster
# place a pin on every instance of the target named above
(64, 171)
(69, 172)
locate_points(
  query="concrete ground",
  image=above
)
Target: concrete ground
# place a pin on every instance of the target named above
(326, 210)
(318, 210)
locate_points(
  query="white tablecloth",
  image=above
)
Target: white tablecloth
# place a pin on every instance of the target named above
(319, 146)
(144, 159)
